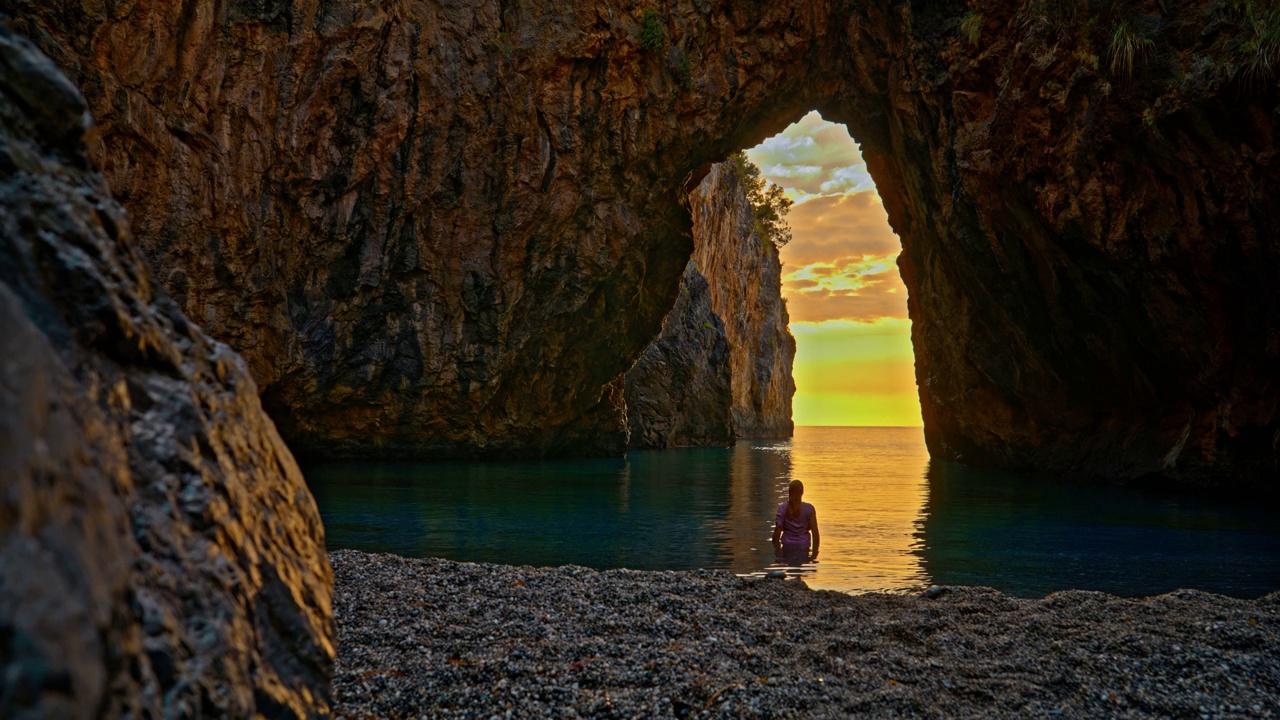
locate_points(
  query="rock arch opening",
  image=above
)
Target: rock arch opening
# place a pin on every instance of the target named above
(425, 241)
(845, 296)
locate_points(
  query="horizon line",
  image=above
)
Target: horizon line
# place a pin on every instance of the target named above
(921, 426)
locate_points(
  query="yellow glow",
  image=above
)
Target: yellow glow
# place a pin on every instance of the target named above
(855, 373)
(848, 279)
(848, 306)
(869, 508)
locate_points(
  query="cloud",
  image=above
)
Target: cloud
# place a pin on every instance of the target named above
(861, 306)
(839, 225)
(842, 260)
(787, 144)
(849, 179)
(812, 157)
(778, 173)
(848, 306)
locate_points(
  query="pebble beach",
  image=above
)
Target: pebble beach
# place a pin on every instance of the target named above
(439, 639)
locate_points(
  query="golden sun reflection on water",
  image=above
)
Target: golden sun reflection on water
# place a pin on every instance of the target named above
(870, 502)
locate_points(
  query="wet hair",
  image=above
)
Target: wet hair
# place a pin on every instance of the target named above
(795, 484)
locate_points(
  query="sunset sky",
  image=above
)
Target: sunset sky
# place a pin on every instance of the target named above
(847, 302)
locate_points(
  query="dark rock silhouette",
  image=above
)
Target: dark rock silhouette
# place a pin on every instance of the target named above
(159, 552)
(680, 392)
(721, 368)
(449, 229)
(430, 229)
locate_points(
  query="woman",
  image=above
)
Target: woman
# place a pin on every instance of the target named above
(795, 522)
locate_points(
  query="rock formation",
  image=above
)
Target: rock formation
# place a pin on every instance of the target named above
(746, 292)
(1088, 241)
(721, 368)
(680, 392)
(430, 229)
(448, 229)
(159, 552)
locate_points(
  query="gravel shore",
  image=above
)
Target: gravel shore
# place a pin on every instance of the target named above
(438, 639)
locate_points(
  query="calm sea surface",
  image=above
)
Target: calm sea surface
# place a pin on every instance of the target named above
(890, 518)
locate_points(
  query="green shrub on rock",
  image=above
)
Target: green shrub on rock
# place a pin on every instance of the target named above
(768, 201)
(651, 32)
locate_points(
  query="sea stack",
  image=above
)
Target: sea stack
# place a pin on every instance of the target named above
(721, 368)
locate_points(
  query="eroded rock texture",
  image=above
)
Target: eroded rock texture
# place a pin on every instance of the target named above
(1091, 245)
(442, 228)
(680, 392)
(159, 552)
(721, 367)
(429, 228)
(745, 278)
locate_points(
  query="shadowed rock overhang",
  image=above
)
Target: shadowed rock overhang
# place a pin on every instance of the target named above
(446, 230)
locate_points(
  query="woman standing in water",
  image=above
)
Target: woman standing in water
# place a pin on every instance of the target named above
(795, 522)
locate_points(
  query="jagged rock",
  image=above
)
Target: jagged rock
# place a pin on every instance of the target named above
(721, 368)
(446, 228)
(745, 276)
(1091, 250)
(159, 552)
(679, 393)
(431, 229)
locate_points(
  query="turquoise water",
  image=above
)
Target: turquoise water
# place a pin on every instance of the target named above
(890, 518)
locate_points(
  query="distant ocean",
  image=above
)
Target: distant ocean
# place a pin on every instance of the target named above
(890, 519)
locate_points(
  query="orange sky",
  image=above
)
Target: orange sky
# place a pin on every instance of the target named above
(848, 305)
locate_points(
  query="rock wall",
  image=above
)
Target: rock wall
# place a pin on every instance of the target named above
(431, 229)
(448, 229)
(680, 392)
(721, 367)
(1090, 243)
(160, 555)
(745, 277)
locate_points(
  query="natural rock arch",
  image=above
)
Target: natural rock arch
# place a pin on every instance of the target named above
(448, 230)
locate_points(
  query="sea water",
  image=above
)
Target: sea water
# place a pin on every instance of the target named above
(890, 519)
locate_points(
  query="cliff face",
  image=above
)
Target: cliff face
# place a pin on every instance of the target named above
(430, 228)
(680, 392)
(159, 552)
(745, 277)
(448, 229)
(1089, 241)
(721, 368)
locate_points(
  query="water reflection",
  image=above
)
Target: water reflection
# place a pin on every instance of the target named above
(650, 511)
(1031, 535)
(890, 519)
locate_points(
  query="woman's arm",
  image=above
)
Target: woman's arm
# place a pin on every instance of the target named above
(777, 535)
(813, 529)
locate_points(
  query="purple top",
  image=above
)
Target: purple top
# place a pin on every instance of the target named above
(795, 531)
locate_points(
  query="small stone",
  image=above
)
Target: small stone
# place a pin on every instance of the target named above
(934, 592)
(776, 575)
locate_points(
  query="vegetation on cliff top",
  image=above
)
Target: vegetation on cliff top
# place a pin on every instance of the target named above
(768, 200)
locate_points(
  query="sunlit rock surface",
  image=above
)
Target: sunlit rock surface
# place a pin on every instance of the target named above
(448, 229)
(159, 552)
(721, 368)
(745, 279)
